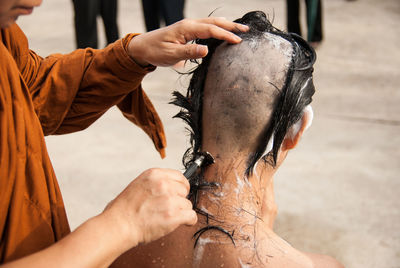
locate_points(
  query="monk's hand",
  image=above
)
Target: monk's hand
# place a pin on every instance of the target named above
(153, 205)
(169, 45)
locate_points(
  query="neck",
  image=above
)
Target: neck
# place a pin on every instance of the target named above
(238, 199)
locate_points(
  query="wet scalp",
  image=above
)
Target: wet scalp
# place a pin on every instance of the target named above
(288, 96)
(240, 90)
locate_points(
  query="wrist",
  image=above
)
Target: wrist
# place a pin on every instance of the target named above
(117, 225)
(111, 236)
(135, 53)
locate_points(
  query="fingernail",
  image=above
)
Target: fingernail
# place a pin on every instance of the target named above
(237, 38)
(202, 50)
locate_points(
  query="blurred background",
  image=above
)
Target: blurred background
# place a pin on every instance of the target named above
(338, 192)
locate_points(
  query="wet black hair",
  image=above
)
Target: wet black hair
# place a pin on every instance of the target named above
(290, 102)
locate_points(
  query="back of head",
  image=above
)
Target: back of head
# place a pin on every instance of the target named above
(241, 87)
(241, 97)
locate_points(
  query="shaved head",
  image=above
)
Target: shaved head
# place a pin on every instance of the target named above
(240, 90)
(244, 96)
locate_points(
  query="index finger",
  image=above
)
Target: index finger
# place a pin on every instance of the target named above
(178, 177)
(218, 28)
(225, 24)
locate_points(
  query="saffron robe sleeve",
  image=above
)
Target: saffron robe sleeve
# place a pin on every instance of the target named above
(55, 95)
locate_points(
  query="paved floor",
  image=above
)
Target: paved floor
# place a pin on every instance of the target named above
(338, 192)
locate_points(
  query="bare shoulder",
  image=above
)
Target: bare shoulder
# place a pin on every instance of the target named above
(324, 261)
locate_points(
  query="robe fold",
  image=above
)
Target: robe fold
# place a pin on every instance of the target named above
(55, 95)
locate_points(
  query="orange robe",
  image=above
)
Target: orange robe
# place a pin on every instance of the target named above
(55, 95)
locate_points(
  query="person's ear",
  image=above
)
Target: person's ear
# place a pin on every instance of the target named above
(295, 132)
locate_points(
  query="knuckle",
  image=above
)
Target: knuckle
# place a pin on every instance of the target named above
(161, 186)
(188, 204)
(152, 173)
(168, 214)
(185, 190)
(188, 51)
(169, 208)
(212, 30)
(147, 173)
(218, 20)
(193, 217)
(184, 22)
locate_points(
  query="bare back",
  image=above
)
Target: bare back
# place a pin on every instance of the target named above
(215, 250)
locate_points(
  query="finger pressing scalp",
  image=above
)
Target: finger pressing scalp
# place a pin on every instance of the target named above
(241, 27)
(194, 51)
(205, 31)
(201, 51)
(226, 24)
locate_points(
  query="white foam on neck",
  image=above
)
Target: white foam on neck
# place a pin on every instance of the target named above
(199, 250)
(202, 208)
(243, 265)
(239, 183)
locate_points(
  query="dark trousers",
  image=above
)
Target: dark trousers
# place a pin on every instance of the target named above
(170, 11)
(86, 12)
(314, 19)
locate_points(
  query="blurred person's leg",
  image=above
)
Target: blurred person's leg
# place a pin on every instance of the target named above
(108, 12)
(314, 21)
(292, 16)
(172, 10)
(151, 12)
(85, 23)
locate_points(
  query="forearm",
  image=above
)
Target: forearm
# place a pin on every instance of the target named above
(72, 91)
(96, 243)
(151, 206)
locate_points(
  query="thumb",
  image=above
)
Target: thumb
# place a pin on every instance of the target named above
(194, 51)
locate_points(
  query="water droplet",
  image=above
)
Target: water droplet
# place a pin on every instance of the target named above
(154, 261)
(162, 244)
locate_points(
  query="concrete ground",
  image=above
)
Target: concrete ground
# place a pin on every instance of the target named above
(338, 192)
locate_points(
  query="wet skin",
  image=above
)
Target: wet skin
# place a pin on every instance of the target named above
(240, 89)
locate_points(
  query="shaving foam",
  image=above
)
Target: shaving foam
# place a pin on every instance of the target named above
(199, 250)
(281, 44)
(308, 115)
